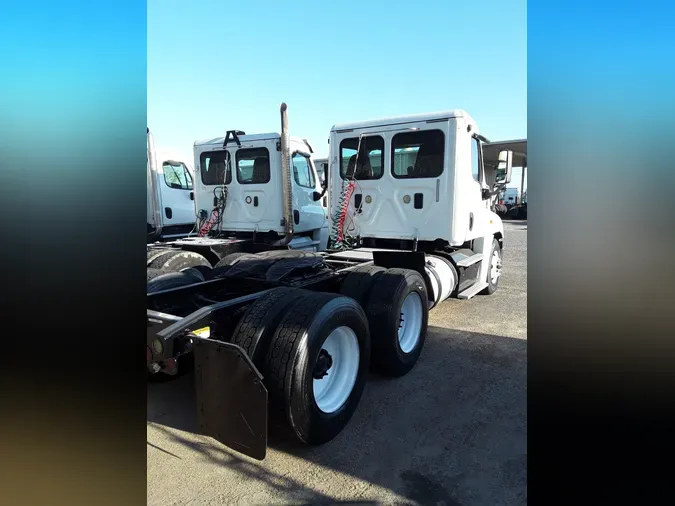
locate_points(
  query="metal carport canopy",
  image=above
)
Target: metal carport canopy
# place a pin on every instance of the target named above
(519, 147)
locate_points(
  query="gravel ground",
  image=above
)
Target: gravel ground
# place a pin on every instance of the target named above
(452, 432)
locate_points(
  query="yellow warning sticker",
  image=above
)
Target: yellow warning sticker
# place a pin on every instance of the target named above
(203, 332)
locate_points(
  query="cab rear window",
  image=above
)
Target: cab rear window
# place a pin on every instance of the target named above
(215, 168)
(417, 154)
(367, 162)
(253, 166)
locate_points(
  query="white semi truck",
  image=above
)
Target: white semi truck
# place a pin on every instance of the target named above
(511, 196)
(170, 199)
(321, 165)
(252, 193)
(290, 335)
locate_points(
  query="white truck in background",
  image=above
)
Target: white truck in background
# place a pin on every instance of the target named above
(252, 193)
(170, 201)
(321, 165)
(511, 196)
(412, 223)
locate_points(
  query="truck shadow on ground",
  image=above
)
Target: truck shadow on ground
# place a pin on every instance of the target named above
(453, 431)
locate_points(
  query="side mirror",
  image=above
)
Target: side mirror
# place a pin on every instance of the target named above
(317, 196)
(503, 175)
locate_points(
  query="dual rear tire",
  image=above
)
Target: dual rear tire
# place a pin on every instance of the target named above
(175, 268)
(396, 305)
(314, 349)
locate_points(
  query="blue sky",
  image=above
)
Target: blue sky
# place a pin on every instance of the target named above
(219, 65)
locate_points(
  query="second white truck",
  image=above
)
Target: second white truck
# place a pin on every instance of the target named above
(170, 204)
(251, 193)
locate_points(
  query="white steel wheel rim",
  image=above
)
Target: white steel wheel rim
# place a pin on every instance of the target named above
(410, 322)
(332, 390)
(495, 267)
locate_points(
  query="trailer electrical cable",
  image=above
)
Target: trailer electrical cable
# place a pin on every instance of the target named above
(339, 236)
(216, 217)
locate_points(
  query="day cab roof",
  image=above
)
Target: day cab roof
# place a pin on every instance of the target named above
(247, 139)
(402, 120)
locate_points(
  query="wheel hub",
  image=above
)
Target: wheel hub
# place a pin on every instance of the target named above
(495, 271)
(410, 322)
(323, 363)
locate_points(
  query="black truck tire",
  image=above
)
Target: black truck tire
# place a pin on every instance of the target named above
(359, 283)
(260, 320)
(195, 273)
(155, 253)
(231, 259)
(495, 256)
(153, 273)
(398, 315)
(316, 413)
(176, 261)
(170, 280)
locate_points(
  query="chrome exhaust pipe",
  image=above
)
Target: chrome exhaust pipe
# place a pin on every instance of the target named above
(286, 179)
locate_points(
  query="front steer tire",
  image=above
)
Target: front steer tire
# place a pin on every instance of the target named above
(495, 256)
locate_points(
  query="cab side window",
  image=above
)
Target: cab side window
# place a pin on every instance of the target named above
(302, 171)
(177, 176)
(475, 159)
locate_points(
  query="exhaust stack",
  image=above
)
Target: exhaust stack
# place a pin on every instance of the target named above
(286, 178)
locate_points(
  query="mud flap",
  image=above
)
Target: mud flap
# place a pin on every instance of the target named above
(231, 398)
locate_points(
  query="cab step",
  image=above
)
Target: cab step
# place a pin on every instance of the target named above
(468, 261)
(473, 290)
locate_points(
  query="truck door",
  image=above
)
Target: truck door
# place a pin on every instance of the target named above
(361, 160)
(252, 167)
(419, 171)
(176, 187)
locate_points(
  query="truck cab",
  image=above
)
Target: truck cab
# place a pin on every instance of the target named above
(252, 194)
(170, 199)
(321, 165)
(243, 174)
(419, 182)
